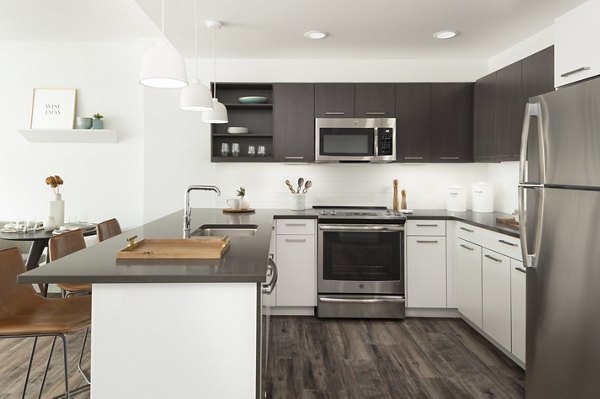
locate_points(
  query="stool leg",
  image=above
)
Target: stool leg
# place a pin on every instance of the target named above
(67, 393)
(47, 366)
(86, 377)
(29, 368)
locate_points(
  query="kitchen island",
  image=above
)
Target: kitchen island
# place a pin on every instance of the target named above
(174, 328)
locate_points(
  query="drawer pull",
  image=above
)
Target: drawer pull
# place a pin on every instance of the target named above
(295, 240)
(521, 269)
(494, 259)
(413, 158)
(294, 157)
(375, 113)
(467, 230)
(512, 244)
(574, 71)
(427, 241)
(427, 225)
(334, 113)
(465, 247)
(295, 224)
(450, 158)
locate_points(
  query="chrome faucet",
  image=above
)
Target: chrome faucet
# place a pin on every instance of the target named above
(187, 210)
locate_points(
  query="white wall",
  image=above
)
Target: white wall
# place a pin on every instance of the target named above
(101, 180)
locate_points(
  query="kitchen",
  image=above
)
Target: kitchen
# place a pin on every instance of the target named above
(161, 150)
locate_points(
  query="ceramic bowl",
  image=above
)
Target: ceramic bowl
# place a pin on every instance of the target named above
(253, 100)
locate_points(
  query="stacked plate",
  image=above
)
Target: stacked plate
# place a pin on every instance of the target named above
(237, 130)
(253, 100)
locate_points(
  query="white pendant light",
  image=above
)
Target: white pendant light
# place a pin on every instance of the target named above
(219, 112)
(162, 65)
(196, 97)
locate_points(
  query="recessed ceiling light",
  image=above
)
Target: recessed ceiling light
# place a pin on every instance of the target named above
(445, 34)
(315, 34)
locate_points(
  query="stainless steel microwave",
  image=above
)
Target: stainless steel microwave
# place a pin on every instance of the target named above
(355, 139)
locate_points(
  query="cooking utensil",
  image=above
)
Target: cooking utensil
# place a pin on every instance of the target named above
(307, 186)
(300, 183)
(289, 184)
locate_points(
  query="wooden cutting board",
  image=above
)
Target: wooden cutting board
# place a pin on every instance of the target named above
(176, 248)
(509, 221)
(231, 210)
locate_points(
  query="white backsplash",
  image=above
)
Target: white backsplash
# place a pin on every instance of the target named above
(504, 177)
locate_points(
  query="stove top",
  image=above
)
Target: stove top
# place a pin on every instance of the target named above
(372, 213)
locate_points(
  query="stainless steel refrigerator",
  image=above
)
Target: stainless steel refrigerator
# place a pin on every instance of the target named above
(559, 204)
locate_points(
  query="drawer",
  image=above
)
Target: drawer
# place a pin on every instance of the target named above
(503, 244)
(296, 226)
(426, 227)
(471, 233)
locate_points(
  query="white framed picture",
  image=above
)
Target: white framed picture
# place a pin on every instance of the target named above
(53, 108)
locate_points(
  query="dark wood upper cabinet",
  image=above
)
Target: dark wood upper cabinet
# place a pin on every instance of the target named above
(484, 138)
(413, 122)
(293, 122)
(537, 73)
(374, 100)
(451, 122)
(334, 100)
(509, 112)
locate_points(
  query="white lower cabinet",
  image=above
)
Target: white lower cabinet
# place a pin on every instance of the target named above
(426, 271)
(496, 297)
(296, 255)
(468, 280)
(517, 305)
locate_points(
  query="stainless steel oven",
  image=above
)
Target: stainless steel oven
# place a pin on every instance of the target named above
(361, 266)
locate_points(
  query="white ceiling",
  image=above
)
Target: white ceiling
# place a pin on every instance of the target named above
(274, 28)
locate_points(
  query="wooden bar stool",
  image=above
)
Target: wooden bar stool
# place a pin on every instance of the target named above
(108, 229)
(25, 314)
(65, 244)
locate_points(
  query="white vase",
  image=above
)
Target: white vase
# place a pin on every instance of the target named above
(57, 211)
(244, 203)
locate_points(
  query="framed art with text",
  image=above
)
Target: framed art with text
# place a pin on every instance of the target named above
(53, 108)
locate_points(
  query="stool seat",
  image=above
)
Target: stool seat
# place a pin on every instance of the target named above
(76, 287)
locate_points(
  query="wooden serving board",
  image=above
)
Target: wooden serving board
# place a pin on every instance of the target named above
(231, 210)
(176, 248)
(509, 221)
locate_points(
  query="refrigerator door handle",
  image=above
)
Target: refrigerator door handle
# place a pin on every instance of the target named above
(531, 110)
(529, 259)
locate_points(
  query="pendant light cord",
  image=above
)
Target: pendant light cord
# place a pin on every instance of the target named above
(214, 64)
(196, 35)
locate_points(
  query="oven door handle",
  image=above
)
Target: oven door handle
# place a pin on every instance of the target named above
(368, 227)
(358, 300)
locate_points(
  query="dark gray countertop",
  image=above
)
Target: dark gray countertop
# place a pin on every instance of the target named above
(485, 220)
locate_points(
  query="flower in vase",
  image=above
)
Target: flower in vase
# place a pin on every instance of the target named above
(54, 182)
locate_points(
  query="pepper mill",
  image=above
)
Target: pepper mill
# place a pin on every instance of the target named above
(403, 204)
(395, 200)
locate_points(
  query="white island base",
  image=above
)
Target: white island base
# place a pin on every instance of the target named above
(174, 340)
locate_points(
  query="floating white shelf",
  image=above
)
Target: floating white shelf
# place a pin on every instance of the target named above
(69, 135)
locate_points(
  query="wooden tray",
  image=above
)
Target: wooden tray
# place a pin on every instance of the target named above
(176, 248)
(231, 210)
(509, 221)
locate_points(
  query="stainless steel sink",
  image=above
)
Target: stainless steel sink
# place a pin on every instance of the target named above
(232, 230)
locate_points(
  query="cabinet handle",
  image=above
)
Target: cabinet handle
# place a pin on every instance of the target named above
(413, 158)
(494, 259)
(521, 269)
(295, 240)
(375, 113)
(427, 241)
(335, 113)
(512, 244)
(295, 224)
(465, 247)
(427, 225)
(449, 158)
(294, 157)
(574, 71)
(467, 230)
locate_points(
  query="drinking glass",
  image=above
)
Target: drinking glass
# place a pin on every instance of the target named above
(235, 149)
(251, 151)
(261, 151)
(224, 149)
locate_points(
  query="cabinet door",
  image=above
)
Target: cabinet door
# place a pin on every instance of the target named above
(426, 272)
(576, 38)
(517, 307)
(374, 100)
(537, 74)
(509, 112)
(334, 100)
(468, 281)
(496, 297)
(484, 146)
(413, 121)
(451, 122)
(296, 256)
(293, 122)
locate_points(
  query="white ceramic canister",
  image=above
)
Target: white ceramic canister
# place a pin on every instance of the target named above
(457, 199)
(483, 197)
(297, 203)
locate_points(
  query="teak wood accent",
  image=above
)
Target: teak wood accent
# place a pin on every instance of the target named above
(176, 248)
(231, 210)
(509, 221)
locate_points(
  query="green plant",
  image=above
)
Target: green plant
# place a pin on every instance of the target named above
(98, 116)
(241, 192)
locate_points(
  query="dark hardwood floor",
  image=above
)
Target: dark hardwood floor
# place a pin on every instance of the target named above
(317, 358)
(414, 358)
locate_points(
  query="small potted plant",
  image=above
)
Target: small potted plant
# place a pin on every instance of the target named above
(244, 203)
(97, 122)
